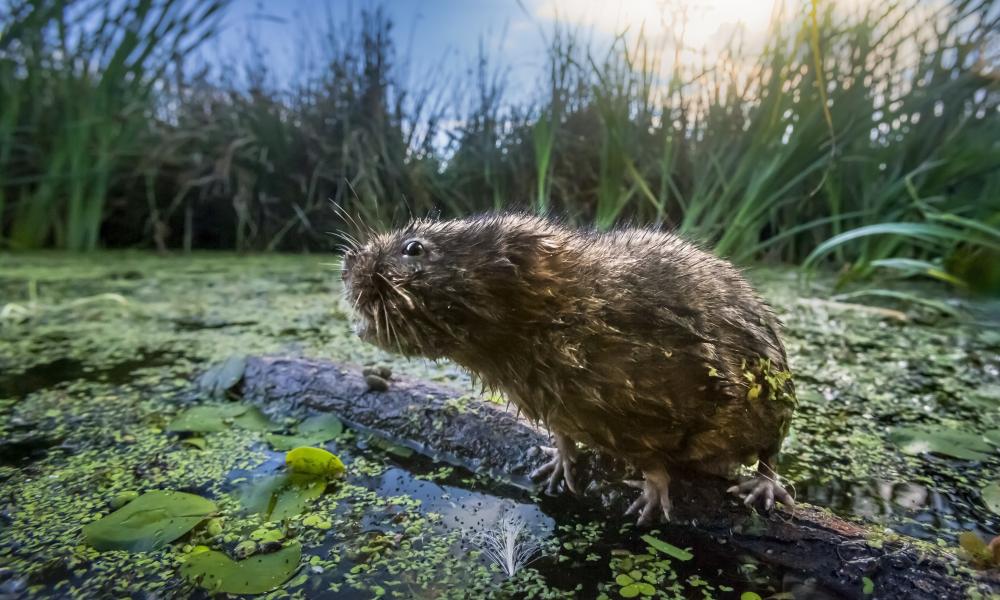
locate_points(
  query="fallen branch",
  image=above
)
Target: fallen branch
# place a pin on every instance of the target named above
(485, 437)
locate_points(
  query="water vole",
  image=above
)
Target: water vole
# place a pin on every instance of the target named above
(632, 341)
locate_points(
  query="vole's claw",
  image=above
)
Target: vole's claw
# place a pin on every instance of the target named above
(655, 495)
(761, 492)
(558, 469)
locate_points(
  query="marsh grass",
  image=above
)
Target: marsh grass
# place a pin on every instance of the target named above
(79, 80)
(862, 140)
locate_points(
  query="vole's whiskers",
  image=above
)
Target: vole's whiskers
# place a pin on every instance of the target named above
(393, 334)
(359, 223)
(406, 297)
(376, 318)
(350, 240)
(348, 219)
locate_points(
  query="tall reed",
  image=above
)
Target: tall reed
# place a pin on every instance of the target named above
(79, 80)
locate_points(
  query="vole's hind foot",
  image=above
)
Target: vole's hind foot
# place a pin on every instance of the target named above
(559, 469)
(761, 492)
(655, 496)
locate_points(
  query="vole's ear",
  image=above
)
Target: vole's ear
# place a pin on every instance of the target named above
(527, 248)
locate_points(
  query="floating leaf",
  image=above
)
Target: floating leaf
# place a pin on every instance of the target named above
(254, 420)
(281, 496)
(668, 549)
(947, 442)
(750, 596)
(867, 586)
(284, 443)
(223, 377)
(329, 426)
(312, 431)
(196, 442)
(261, 573)
(208, 418)
(151, 521)
(991, 496)
(314, 461)
(646, 589)
(390, 447)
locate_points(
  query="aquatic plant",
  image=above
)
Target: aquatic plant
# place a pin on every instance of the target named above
(508, 543)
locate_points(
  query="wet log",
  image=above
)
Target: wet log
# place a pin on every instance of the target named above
(433, 419)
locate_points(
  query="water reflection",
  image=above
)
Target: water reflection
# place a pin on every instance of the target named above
(912, 508)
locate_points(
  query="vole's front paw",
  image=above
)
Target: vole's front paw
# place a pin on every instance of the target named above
(761, 492)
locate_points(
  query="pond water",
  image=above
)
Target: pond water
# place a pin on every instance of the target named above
(99, 354)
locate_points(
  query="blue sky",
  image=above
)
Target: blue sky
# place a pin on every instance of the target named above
(429, 34)
(443, 36)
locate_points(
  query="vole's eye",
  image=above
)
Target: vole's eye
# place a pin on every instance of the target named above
(413, 248)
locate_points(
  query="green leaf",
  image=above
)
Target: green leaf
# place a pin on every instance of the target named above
(947, 442)
(260, 573)
(868, 586)
(283, 443)
(390, 447)
(328, 426)
(223, 377)
(668, 549)
(629, 591)
(206, 418)
(922, 231)
(991, 496)
(314, 461)
(254, 420)
(209, 418)
(624, 579)
(197, 442)
(151, 521)
(750, 596)
(312, 431)
(281, 496)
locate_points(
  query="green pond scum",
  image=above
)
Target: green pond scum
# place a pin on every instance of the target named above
(129, 469)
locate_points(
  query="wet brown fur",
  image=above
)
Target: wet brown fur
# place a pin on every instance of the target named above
(632, 341)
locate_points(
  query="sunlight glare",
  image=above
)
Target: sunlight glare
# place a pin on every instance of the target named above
(706, 20)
